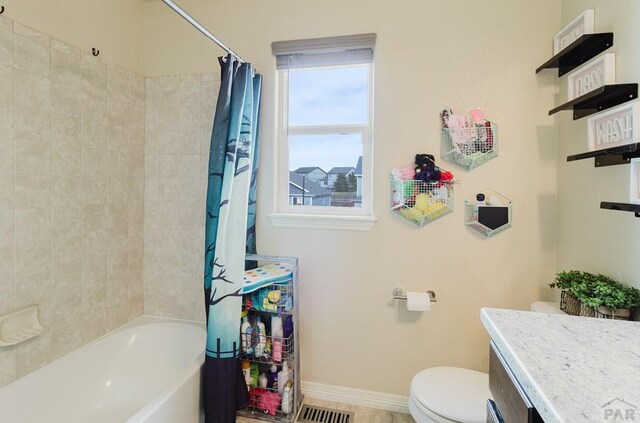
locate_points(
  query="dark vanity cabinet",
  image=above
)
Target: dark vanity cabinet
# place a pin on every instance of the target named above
(510, 404)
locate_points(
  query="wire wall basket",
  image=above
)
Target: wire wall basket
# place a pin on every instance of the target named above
(490, 217)
(470, 147)
(421, 202)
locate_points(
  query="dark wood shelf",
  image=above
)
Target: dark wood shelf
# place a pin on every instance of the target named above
(625, 207)
(580, 51)
(610, 156)
(598, 100)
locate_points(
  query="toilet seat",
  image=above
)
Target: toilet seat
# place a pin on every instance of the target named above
(423, 415)
(451, 393)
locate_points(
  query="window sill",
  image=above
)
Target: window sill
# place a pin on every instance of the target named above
(319, 221)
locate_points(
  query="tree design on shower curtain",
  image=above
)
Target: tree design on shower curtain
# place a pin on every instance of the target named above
(229, 195)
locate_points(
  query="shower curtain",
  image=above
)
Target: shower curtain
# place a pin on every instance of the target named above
(230, 232)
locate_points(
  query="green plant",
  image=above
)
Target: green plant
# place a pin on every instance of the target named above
(597, 290)
(565, 279)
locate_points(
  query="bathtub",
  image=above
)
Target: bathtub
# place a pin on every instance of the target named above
(147, 371)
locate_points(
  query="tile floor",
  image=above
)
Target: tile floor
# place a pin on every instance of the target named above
(362, 414)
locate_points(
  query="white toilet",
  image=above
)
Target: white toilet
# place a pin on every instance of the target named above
(455, 395)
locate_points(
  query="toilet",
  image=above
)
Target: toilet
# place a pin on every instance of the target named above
(453, 394)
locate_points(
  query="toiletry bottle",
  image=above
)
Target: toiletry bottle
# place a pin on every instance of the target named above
(287, 398)
(254, 370)
(262, 380)
(479, 202)
(277, 333)
(283, 377)
(246, 371)
(262, 338)
(287, 327)
(245, 333)
(272, 378)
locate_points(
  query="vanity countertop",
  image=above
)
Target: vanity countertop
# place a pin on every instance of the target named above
(573, 369)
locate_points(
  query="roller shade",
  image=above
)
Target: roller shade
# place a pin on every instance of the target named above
(331, 51)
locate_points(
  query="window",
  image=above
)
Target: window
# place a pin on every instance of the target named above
(325, 132)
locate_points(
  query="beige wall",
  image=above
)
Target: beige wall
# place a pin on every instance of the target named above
(430, 54)
(590, 238)
(179, 124)
(71, 193)
(115, 27)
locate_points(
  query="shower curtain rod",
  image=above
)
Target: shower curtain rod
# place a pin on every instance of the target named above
(180, 11)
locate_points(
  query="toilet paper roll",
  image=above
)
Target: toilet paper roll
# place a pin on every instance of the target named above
(418, 301)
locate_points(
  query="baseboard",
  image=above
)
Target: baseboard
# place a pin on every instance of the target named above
(353, 396)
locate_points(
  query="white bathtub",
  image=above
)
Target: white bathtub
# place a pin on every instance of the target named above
(148, 371)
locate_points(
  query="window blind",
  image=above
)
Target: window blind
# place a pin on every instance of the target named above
(330, 51)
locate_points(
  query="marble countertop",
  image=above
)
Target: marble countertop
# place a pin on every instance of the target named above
(573, 369)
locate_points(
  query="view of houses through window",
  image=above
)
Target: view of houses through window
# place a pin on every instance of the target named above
(328, 124)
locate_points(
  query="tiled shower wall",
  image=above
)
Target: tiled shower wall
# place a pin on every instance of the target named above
(179, 116)
(71, 194)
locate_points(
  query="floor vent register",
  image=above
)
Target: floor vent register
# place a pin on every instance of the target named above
(313, 414)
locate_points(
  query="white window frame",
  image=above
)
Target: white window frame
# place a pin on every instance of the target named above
(321, 217)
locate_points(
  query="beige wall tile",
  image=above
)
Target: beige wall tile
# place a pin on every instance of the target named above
(94, 244)
(118, 112)
(66, 145)
(66, 266)
(170, 79)
(189, 142)
(6, 146)
(6, 47)
(117, 83)
(7, 231)
(32, 191)
(94, 190)
(33, 241)
(118, 138)
(136, 138)
(94, 91)
(66, 220)
(63, 47)
(163, 119)
(31, 34)
(31, 56)
(138, 89)
(67, 311)
(7, 294)
(94, 218)
(163, 96)
(117, 164)
(66, 83)
(6, 94)
(32, 101)
(94, 133)
(66, 340)
(7, 366)
(32, 354)
(32, 151)
(6, 191)
(33, 289)
(94, 162)
(117, 190)
(190, 93)
(66, 191)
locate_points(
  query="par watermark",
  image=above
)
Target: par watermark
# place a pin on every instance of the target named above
(618, 410)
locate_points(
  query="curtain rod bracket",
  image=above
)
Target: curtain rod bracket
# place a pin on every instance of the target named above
(95, 52)
(1, 10)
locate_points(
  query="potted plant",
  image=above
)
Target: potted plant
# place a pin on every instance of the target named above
(588, 294)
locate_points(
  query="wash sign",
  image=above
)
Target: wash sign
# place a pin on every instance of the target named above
(616, 127)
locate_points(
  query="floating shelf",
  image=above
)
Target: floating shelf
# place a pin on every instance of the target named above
(610, 156)
(633, 208)
(598, 100)
(580, 51)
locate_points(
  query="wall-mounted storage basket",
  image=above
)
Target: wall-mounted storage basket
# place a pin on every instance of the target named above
(470, 147)
(421, 202)
(490, 218)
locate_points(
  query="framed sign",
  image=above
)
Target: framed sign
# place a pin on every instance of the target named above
(583, 24)
(593, 75)
(634, 194)
(615, 127)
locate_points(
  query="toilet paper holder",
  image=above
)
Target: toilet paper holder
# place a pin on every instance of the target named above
(400, 294)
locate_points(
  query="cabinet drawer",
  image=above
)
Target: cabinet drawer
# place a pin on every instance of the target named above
(510, 399)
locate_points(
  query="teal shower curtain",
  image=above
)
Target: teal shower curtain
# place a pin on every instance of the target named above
(230, 232)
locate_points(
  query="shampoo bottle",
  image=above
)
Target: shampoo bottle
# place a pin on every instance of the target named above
(283, 377)
(245, 333)
(262, 338)
(272, 378)
(287, 398)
